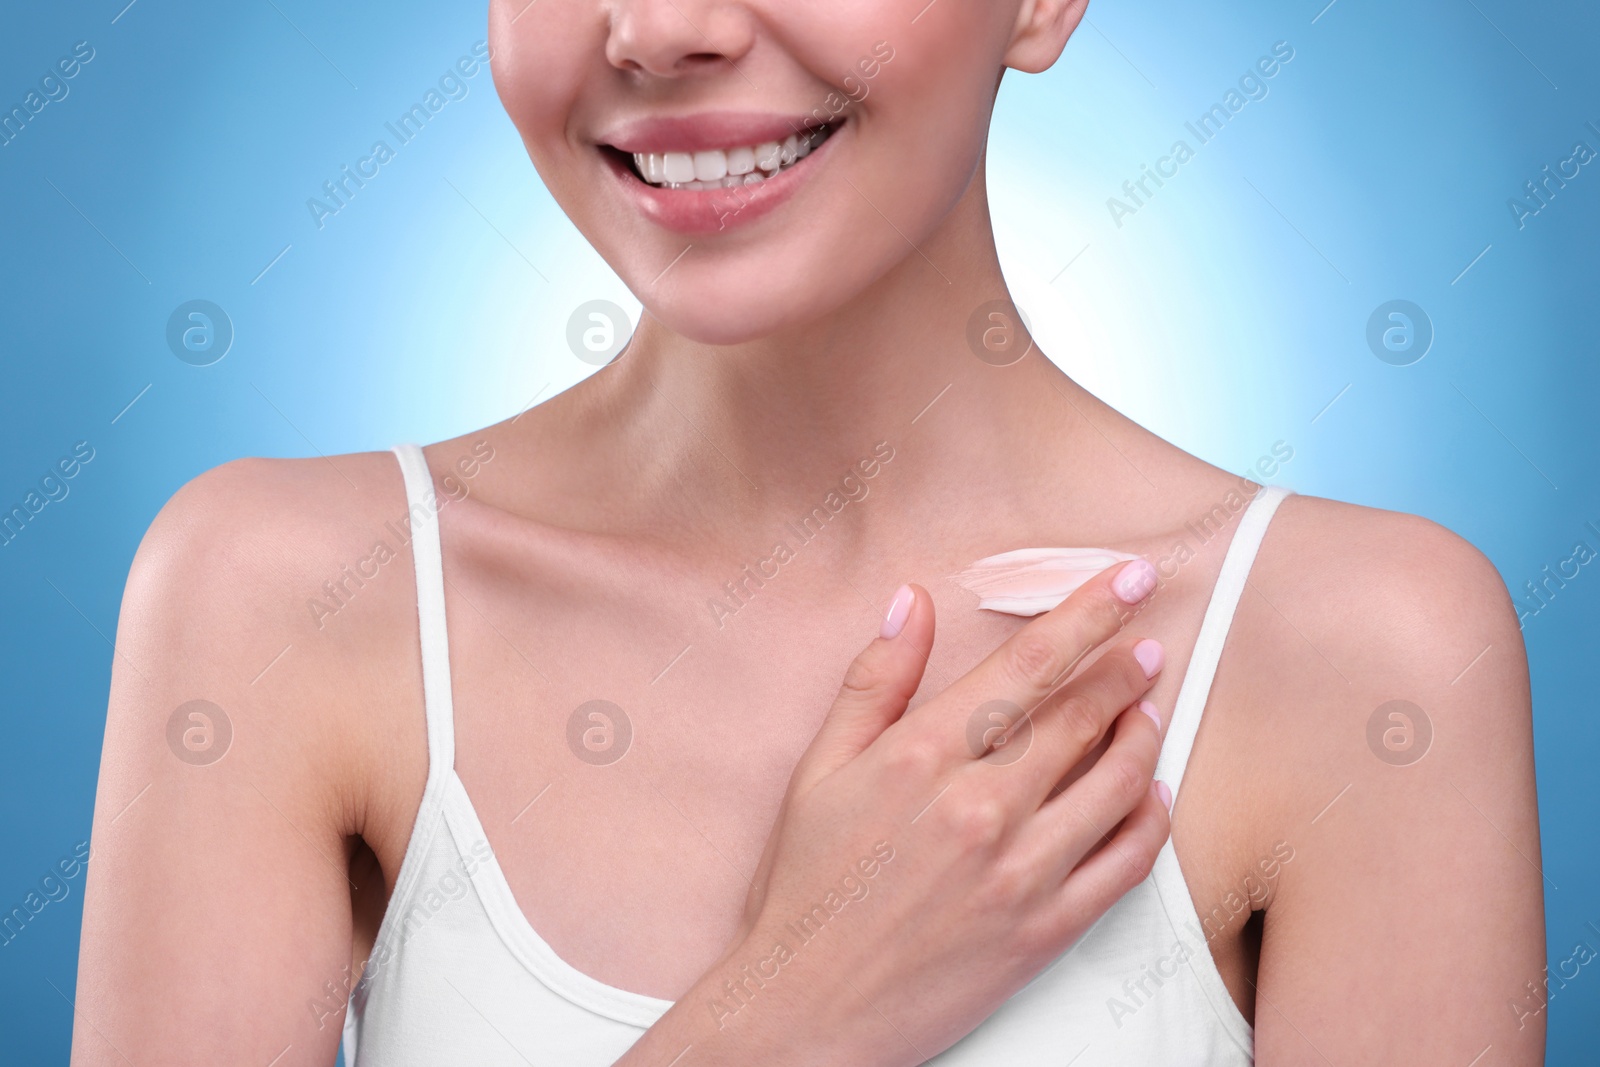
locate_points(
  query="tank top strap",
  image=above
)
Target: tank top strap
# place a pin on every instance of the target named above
(1196, 687)
(422, 506)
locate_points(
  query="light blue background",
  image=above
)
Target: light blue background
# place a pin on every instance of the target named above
(1226, 314)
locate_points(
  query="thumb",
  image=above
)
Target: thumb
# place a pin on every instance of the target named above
(877, 685)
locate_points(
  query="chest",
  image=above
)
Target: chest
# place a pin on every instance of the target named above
(626, 744)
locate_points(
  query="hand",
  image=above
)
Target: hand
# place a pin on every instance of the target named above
(926, 865)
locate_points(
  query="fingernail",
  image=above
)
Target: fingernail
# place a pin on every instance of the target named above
(1150, 710)
(1164, 793)
(1134, 582)
(895, 618)
(1150, 656)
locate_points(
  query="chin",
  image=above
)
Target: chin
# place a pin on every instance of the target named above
(712, 315)
(727, 298)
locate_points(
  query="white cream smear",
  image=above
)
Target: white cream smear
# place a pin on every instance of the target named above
(721, 168)
(1031, 581)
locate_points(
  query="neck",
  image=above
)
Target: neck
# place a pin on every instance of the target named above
(757, 432)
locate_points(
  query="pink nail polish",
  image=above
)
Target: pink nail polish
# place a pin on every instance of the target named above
(894, 619)
(1134, 582)
(1165, 794)
(1150, 710)
(1150, 655)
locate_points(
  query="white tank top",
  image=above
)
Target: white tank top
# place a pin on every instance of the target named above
(457, 974)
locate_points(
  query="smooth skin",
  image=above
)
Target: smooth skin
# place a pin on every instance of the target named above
(229, 906)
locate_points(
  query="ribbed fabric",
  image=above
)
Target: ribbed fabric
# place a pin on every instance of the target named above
(458, 975)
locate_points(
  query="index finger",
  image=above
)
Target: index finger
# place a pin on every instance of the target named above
(1034, 662)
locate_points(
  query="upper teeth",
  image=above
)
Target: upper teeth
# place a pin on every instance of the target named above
(718, 167)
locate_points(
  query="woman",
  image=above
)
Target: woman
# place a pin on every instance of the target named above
(541, 732)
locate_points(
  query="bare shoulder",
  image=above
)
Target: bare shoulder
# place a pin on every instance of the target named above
(1381, 737)
(1370, 640)
(1375, 656)
(263, 500)
(1385, 591)
(245, 546)
(264, 712)
(279, 591)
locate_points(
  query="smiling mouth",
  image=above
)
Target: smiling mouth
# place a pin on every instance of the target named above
(723, 168)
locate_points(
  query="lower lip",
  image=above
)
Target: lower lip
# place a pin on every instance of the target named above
(706, 211)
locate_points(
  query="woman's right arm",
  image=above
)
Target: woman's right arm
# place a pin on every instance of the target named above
(920, 872)
(218, 914)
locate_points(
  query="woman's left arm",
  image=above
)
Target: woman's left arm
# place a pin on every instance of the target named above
(1409, 927)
